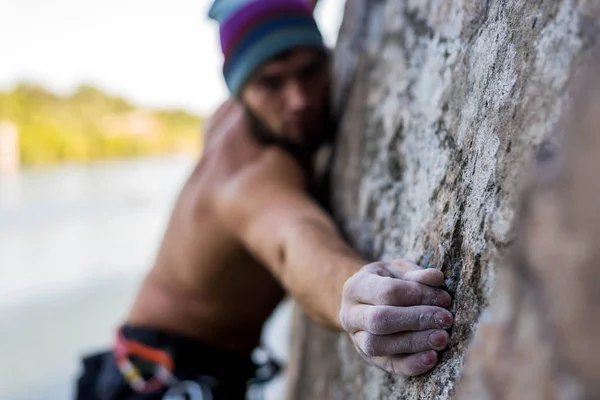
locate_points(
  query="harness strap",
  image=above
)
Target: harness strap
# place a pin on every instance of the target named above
(163, 364)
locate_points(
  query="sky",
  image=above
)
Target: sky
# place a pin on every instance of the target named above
(160, 53)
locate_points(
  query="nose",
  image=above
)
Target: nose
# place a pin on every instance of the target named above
(296, 97)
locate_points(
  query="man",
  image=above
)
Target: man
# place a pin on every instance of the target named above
(247, 228)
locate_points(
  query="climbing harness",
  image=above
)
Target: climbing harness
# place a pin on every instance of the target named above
(161, 364)
(147, 369)
(188, 390)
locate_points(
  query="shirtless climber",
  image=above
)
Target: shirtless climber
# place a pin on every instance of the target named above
(248, 228)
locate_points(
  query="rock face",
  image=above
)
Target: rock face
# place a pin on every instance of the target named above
(537, 338)
(444, 107)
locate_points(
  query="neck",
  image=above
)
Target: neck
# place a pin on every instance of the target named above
(303, 153)
(306, 155)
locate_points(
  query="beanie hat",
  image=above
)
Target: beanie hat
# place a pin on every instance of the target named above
(253, 31)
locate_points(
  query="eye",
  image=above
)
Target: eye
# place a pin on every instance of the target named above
(312, 70)
(270, 84)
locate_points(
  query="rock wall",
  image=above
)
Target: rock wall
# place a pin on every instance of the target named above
(444, 105)
(537, 338)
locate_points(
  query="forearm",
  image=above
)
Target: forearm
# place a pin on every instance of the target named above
(315, 264)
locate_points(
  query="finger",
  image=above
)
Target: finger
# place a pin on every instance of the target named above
(395, 268)
(408, 365)
(385, 320)
(408, 270)
(400, 343)
(427, 276)
(381, 290)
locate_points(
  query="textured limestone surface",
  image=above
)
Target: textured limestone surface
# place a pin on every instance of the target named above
(538, 338)
(444, 105)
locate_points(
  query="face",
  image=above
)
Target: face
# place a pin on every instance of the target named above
(289, 95)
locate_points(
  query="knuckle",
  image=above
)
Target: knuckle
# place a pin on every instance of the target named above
(380, 264)
(412, 343)
(344, 318)
(405, 263)
(430, 295)
(381, 268)
(424, 319)
(350, 286)
(387, 293)
(351, 282)
(432, 319)
(412, 292)
(368, 345)
(376, 266)
(347, 288)
(376, 322)
(423, 295)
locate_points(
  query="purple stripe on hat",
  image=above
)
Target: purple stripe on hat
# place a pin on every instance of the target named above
(270, 20)
(239, 20)
(230, 37)
(257, 34)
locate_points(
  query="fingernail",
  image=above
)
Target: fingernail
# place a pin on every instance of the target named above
(428, 358)
(444, 319)
(443, 300)
(438, 339)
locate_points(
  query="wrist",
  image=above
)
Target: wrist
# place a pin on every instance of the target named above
(353, 265)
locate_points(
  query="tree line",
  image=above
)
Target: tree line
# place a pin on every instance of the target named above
(89, 124)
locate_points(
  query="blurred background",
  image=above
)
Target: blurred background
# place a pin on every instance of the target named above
(101, 109)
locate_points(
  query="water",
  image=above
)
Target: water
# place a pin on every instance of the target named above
(75, 241)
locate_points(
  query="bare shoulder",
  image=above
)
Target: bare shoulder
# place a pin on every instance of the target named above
(273, 166)
(271, 178)
(225, 109)
(229, 114)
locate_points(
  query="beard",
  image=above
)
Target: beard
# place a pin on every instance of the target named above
(306, 153)
(301, 150)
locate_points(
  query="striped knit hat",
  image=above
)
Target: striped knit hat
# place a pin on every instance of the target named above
(252, 31)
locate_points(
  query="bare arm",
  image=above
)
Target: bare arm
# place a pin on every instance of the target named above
(287, 231)
(315, 265)
(394, 311)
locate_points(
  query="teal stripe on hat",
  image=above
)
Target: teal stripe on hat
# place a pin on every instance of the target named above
(220, 10)
(284, 22)
(267, 47)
